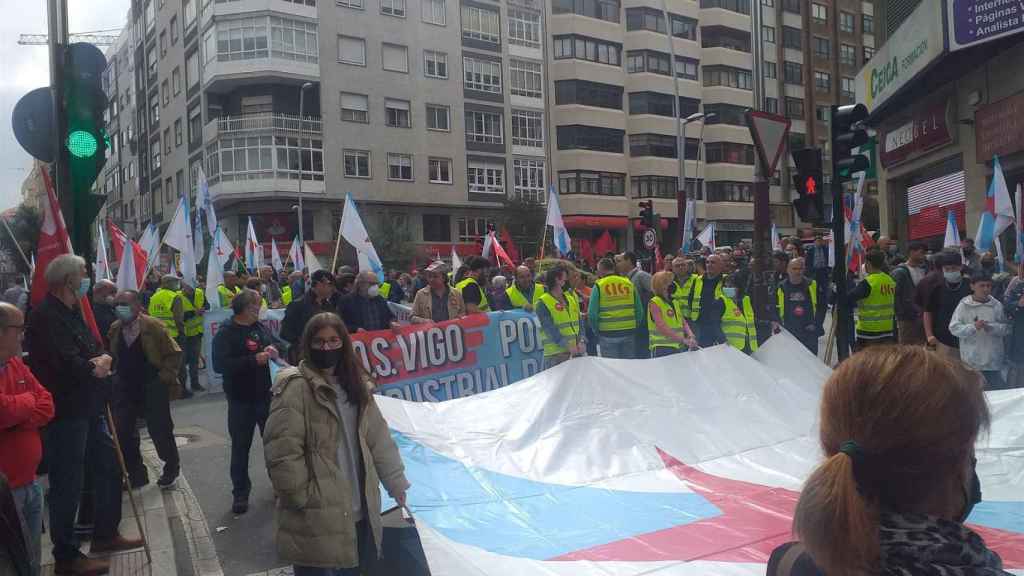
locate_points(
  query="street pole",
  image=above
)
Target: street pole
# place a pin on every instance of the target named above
(302, 123)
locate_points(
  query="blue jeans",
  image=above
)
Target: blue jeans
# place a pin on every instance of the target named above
(70, 443)
(28, 500)
(243, 418)
(616, 346)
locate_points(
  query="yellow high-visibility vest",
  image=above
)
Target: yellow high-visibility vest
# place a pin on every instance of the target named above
(161, 306)
(671, 316)
(738, 324)
(618, 304)
(484, 306)
(518, 299)
(193, 321)
(567, 319)
(877, 312)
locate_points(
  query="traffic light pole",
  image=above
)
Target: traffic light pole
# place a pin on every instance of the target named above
(57, 16)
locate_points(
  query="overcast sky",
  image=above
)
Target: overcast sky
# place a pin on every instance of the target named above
(23, 68)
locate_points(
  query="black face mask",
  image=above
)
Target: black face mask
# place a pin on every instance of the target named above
(324, 359)
(972, 492)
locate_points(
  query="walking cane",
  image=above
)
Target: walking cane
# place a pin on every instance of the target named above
(124, 475)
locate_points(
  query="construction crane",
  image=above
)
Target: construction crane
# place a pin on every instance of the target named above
(90, 37)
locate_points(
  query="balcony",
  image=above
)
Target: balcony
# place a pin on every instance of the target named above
(258, 156)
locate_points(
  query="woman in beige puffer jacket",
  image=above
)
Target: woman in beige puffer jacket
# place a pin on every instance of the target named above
(327, 449)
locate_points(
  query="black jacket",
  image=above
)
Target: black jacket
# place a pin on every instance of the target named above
(356, 314)
(60, 348)
(234, 357)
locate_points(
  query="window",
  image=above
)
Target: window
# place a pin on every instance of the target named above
(294, 40)
(528, 180)
(846, 22)
(846, 87)
(484, 127)
(601, 9)
(730, 114)
(525, 78)
(396, 113)
(195, 125)
(357, 163)
(725, 37)
(867, 23)
(395, 57)
(486, 177)
(154, 110)
(435, 64)
(822, 113)
(654, 186)
(151, 61)
(586, 182)
(524, 28)
(651, 103)
(822, 47)
(352, 50)
(792, 6)
(771, 105)
(741, 6)
(163, 43)
(793, 73)
(177, 132)
(482, 75)
(848, 55)
(822, 81)
(579, 137)
(192, 70)
(527, 128)
(440, 170)
(434, 12)
(399, 167)
(869, 53)
(393, 8)
(768, 34)
(819, 12)
(771, 70)
(795, 108)
(355, 107)
(174, 30)
(438, 117)
(480, 24)
(588, 94)
(189, 9)
(791, 38)
(584, 48)
(727, 76)
(723, 191)
(437, 228)
(357, 4)
(729, 153)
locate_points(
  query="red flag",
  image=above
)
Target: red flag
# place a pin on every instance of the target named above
(53, 242)
(510, 246)
(499, 252)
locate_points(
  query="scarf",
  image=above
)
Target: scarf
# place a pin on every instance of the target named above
(919, 545)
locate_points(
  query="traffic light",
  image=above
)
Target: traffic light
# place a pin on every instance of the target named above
(807, 180)
(647, 213)
(85, 138)
(848, 133)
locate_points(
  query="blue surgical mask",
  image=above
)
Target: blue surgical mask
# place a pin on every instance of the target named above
(83, 287)
(729, 291)
(124, 312)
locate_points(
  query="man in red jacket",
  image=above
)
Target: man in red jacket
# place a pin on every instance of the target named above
(25, 407)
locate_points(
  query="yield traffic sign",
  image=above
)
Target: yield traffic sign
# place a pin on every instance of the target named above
(769, 133)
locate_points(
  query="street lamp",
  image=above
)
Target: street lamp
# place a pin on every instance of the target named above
(302, 102)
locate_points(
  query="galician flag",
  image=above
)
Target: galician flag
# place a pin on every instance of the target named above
(179, 237)
(353, 231)
(275, 256)
(215, 268)
(998, 213)
(561, 233)
(707, 236)
(253, 250)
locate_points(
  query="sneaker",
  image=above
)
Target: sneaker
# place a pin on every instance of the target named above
(116, 544)
(167, 480)
(240, 505)
(82, 566)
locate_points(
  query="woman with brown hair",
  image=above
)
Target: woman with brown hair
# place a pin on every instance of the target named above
(898, 427)
(327, 449)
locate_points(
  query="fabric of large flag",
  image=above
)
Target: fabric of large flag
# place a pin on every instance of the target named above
(353, 231)
(310, 259)
(707, 236)
(295, 253)
(952, 239)
(560, 236)
(179, 237)
(572, 472)
(215, 268)
(53, 242)
(687, 232)
(127, 276)
(998, 212)
(102, 267)
(275, 256)
(253, 248)
(500, 253)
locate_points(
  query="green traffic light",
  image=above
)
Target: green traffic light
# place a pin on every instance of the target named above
(82, 144)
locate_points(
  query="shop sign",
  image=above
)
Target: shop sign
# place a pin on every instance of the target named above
(999, 128)
(915, 45)
(974, 22)
(927, 129)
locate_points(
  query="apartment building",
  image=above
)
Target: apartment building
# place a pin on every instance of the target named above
(434, 114)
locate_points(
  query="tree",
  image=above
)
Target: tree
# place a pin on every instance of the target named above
(24, 224)
(524, 220)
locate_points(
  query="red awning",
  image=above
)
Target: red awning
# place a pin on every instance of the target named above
(606, 222)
